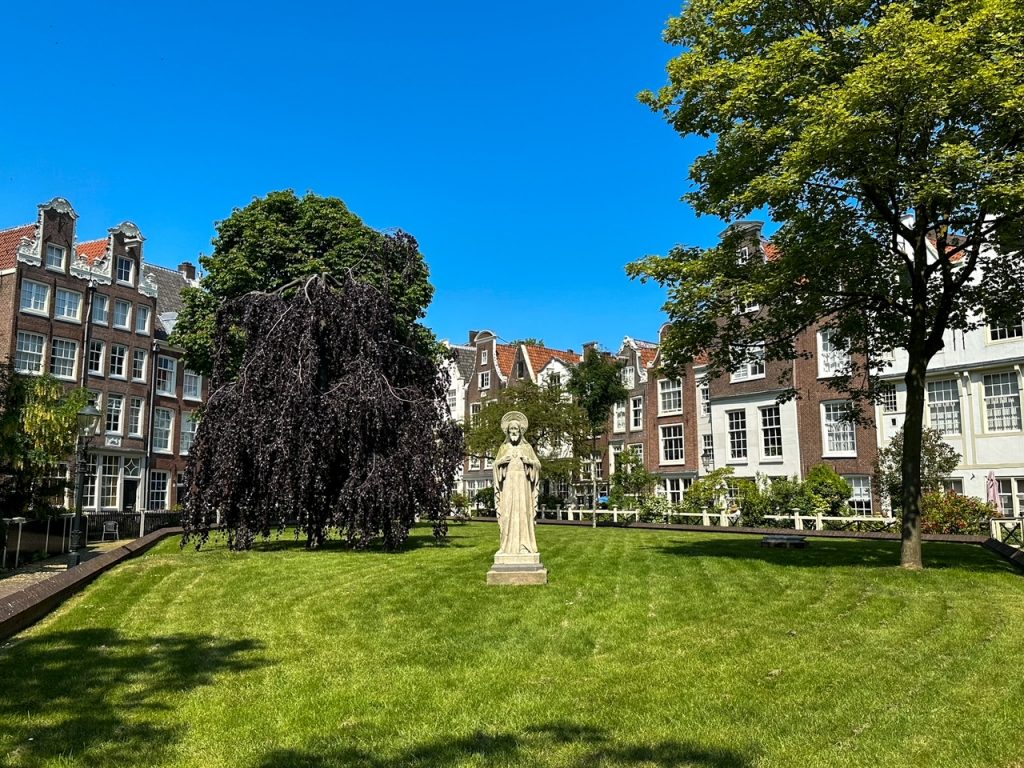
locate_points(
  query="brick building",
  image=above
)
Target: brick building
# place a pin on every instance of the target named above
(93, 314)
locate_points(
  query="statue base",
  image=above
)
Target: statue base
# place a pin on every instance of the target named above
(517, 569)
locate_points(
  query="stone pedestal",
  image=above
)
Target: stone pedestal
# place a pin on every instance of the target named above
(517, 569)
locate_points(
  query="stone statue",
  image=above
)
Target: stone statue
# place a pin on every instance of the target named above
(516, 486)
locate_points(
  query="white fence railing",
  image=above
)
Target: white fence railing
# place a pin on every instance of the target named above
(724, 519)
(1009, 530)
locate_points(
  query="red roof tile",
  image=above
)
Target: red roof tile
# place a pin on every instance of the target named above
(9, 241)
(771, 251)
(541, 356)
(92, 250)
(506, 354)
(647, 355)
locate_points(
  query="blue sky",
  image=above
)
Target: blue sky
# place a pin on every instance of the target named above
(506, 137)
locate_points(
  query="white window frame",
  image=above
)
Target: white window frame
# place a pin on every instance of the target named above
(117, 411)
(619, 416)
(142, 313)
(51, 249)
(860, 499)
(485, 357)
(628, 377)
(197, 380)
(127, 324)
(36, 287)
(170, 374)
(22, 353)
(704, 395)
(59, 343)
(137, 355)
(485, 380)
(997, 334)
(136, 416)
(158, 444)
(736, 429)
(636, 413)
(187, 433)
(681, 437)
(669, 387)
(830, 425)
(638, 449)
(100, 370)
(772, 444)
(58, 315)
(100, 304)
(158, 498)
(753, 367)
(887, 398)
(942, 410)
(131, 270)
(832, 361)
(111, 356)
(1011, 399)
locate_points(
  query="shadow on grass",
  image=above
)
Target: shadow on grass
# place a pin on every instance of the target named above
(101, 696)
(824, 552)
(589, 747)
(420, 538)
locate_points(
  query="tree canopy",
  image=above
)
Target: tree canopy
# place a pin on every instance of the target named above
(938, 460)
(282, 237)
(885, 137)
(335, 419)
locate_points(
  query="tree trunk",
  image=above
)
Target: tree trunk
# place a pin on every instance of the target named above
(910, 544)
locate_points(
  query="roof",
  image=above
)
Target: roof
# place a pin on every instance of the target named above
(169, 284)
(10, 239)
(92, 250)
(771, 251)
(465, 359)
(541, 356)
(506, 356)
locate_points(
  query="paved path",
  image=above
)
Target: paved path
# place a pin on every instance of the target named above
(15, 580)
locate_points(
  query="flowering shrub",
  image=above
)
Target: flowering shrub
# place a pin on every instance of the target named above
(952, 513)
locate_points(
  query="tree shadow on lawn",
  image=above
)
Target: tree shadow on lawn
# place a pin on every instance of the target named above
(99, 695)
(595, 747)
(286, 542)
(827, 552)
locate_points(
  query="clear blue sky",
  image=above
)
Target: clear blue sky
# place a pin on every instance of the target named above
(506, 137)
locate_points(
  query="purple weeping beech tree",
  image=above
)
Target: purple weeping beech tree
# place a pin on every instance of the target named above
(335, 420)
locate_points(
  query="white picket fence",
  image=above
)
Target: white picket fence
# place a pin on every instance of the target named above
(1009, 530)
(724, 519)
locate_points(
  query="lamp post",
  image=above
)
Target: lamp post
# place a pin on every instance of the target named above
(88, 418)
(708, 459)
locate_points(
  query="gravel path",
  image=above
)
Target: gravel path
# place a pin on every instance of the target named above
(15, 580)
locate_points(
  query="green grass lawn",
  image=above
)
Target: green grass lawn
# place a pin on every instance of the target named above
(648, 648)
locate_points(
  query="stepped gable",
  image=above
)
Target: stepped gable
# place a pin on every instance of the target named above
(10, 239)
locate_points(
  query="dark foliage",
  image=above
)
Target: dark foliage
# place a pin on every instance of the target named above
(334, 420)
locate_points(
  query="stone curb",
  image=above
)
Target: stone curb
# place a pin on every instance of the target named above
(25, 607)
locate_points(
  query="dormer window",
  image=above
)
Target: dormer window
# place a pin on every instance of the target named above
(55, 257)
(125, 270)
(484, 357)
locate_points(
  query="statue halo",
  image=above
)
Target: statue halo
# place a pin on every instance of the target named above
(514, 416)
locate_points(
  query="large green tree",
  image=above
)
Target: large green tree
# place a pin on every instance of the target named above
(885, 137)
(559, 429)
(282, 237)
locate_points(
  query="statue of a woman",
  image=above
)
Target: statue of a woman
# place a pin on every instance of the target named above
(516, 475)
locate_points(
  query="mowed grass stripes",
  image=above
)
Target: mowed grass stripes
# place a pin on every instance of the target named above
(648, 648)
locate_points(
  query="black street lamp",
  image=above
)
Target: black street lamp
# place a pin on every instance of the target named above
(708, 459)
(88, 418)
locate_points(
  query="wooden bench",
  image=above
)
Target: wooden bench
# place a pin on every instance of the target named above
(784, 541)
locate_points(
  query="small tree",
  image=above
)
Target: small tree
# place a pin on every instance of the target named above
(938, 460)
(829, 492)
(596, 385)
(335, 420)
(631, 481)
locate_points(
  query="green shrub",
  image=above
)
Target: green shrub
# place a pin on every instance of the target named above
(952, 513)
(485, 498)
(828, 491)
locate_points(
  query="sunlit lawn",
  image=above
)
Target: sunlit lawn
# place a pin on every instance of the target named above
(648, 648)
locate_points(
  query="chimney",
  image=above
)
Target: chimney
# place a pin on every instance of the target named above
(589, 345)
(188, 269)
(472, 336)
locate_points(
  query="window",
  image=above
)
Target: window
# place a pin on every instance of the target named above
(771, 432)
(159, 483)
(122, 313)
(1011, 495)
(100, 309)
(142, 320)
(636, 413)
(485, 380)
(118, 353)
(115, 408)
(860, 500)
(35, 298)
(737, 421)
(704, 395)
(63, 354)
(108, 481)
(554, 379)
(628, 377)
(675, 487)
(520, 369)
(139, 364)
(1002, 402)
(614, 451)
(619, 416)
(488, 462)
(68, 305)
(474, 411)
(166, 375)
(135, 407)
(1003, 332)
(638, 451)
(887, 397)
(96, 358)
(954, 484)
(28, 358)
(474, 463)
(753, 365)
(89, 482)
(193, 387)
(833, 360)
(672, 444)
(188, 432)
(944, 406)
(839, 436)
(163, 425)
(125, 268)
(55, 257)
(452, 394)
(484, 357)
(708, 451)
(671, 396)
